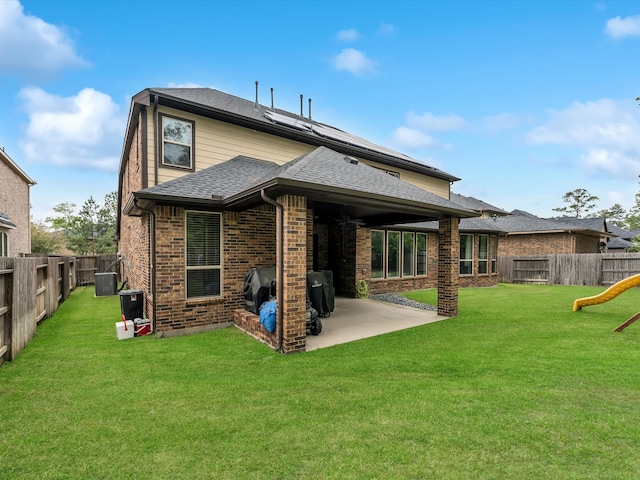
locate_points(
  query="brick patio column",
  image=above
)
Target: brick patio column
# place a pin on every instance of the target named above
(448, 266)
(294, 261)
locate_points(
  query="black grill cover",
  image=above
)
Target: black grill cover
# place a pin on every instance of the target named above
(320, 291)
(259, 284)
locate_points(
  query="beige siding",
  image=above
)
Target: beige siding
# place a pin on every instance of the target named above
(217, 142)
(434, 185)
(14, 201)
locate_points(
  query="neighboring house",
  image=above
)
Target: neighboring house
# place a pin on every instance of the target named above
(622, 242)
(15, 222)
(532, 235)
(211, 185)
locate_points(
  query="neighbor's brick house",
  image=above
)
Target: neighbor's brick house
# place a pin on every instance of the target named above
(15, 221)
(211, 185)
(531, 235)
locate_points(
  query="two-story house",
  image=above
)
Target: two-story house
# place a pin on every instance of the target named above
(15, 221)
(211, 185)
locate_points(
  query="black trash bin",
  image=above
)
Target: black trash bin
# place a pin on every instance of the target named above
(320, 291)
(131, 304)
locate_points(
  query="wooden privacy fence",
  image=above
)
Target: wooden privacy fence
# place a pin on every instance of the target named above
(31, 288)
(88, 265)
(600, 269)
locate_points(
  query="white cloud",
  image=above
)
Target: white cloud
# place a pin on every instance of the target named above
(348, 35)
(434, 123)
(31, 47)
(84, 130)
(354, 61)
(386, 29)
(607, 132)
(413, 138)
(623, 27)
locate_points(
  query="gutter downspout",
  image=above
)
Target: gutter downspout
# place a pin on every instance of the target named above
(280, 266)
(156, 161)
(152, 254)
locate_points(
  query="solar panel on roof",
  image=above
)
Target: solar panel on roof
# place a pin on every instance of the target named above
(289, 121)
(344, 137)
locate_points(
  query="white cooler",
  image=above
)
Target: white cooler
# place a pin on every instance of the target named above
(125, 329)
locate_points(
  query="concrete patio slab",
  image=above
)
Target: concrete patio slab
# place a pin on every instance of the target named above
(357, 318)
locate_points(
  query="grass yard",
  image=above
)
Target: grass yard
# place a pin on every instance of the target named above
(516, 387)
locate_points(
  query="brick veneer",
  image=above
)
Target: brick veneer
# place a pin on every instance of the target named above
(448, 266)
(134, 242)
(248, 241)
(294, 261)
(547, 244)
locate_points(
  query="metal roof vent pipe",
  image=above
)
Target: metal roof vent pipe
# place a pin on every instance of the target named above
(272, 107)
(309, 109)
(255, 105)
(301, 102)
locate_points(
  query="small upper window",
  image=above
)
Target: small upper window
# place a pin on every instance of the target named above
(177, 143)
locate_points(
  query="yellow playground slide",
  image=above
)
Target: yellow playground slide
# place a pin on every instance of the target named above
(609, 294)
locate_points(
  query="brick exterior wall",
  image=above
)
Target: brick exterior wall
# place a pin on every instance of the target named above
(14, 201)
(294, 262)
(448, 266)
(135, 232)
(547, 244)
(248, 241)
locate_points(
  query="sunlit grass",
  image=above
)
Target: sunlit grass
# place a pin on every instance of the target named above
(517, 386)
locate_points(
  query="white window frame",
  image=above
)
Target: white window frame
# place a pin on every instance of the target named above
(4, 244)
(191, 146)
(426, 254)
(493, 253)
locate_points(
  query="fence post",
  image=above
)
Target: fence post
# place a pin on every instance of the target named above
(23, 321)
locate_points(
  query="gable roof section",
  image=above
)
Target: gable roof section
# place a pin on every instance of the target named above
(598, 223)
(213, 103)
(521, 222)
(323, 176)
(4, 156)
(479, 206)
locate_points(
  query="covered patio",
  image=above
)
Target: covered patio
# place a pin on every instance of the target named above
(357, 318)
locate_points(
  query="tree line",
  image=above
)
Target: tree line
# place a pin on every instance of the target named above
(580, 203)
(91, 230)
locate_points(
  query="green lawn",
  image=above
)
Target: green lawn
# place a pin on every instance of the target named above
(517, 387)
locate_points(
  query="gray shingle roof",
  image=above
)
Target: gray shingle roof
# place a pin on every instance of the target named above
(522, 222)
(225, 103)
(321, 170)
(466, 225)
(618, 243)
(225, 179)
(598, 224)
(5, 222)
(472, 203)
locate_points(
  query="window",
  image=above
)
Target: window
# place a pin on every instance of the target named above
(4, 244)
(408, 259)
(393, 254)
(177, 143)
(483, 254)
(203, 254)
(377, 254)
(494, 253)
(398, 254)
(421, 250)
(466, 254)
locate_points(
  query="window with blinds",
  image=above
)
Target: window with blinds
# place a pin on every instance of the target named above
(203, 254)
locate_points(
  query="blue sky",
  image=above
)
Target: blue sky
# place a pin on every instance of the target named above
(524, 101)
